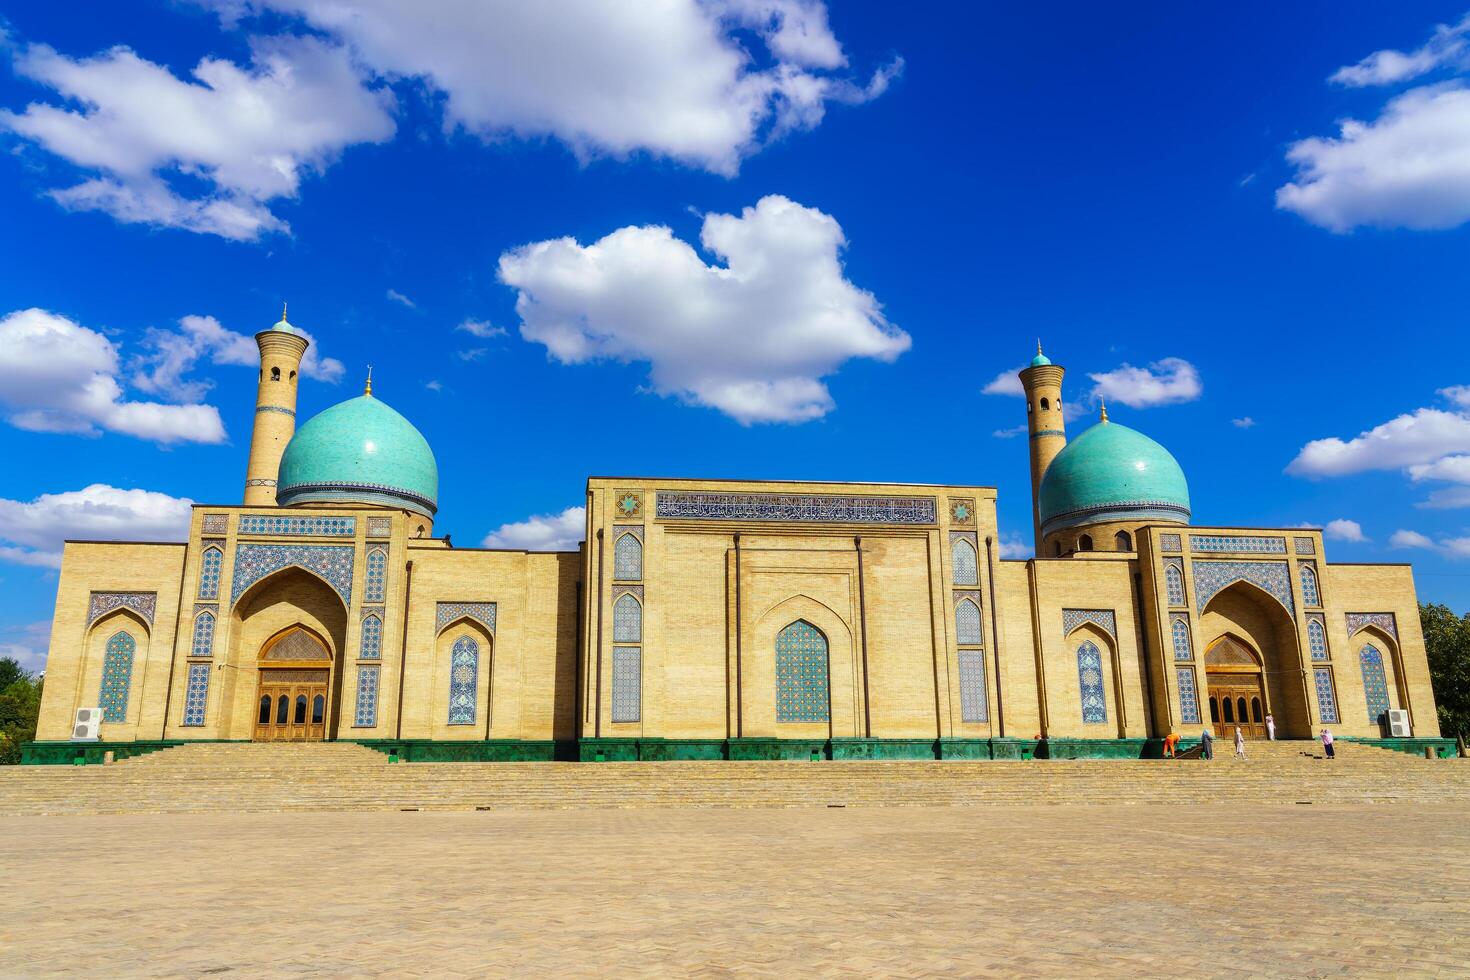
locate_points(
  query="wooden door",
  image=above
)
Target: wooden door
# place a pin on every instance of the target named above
(291, 706)
(1237, 701)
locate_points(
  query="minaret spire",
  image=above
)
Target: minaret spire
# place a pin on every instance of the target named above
(368, 388)
(1045, 424)
(1103, 414)
(281, 349)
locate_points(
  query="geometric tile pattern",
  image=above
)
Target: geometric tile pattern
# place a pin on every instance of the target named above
(117, 677)
(203, 645)
(628, 558)
(1188, 696)
(963, 560)
(1317, 636)
(216, 523)
(627, 684)
(142, 603)
(1375, 683)
(1384, 621)
(1305, 546)
(1326, 700)
(621, 590)
(464, 676)
(1089, 680)
(967, 624)
(627, 620)
(629, 504)
(1103, 619)
(1238, 544)
(196, 695)
(1179, 626)
(1309, 585)
(973, 706)
(1174, 580)
(1212, 577)
(961, 511)
(379, 527)
(377, 573)
(366, 715)
(801, 673)
(209, 568)
(808, 508)
(1171, 542)
(371, 647)
(336, 527)
(332, 563)
(447, 612)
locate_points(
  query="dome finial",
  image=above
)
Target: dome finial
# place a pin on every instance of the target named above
(1038, 346)
(368, 388)
(1104, 414)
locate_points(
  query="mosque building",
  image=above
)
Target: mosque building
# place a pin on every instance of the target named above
(720, 619)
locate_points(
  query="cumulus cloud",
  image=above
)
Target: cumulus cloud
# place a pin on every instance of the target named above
(1421, 437)
(207, 154)
(1164, 382)
(1446, 46)
(32, 531)
(27, 644)
(544, 532)
(1410, 539)
(752, 338)
(480, 328)
(1006, 383)
(59, 376)
(170, 355)
(1013, 546)
(675, 79)
(1343, 529)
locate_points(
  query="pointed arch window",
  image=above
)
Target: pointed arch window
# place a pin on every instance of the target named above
(1375, 683)
(967, 624)
(627, 684)
(1188, 696)
(1123, 541)
(801, 674)
(628, 558)
(1090, 683)
(372, 638)
(366, 715)
(1310, 595)
(117, 677)
(1174, 584)
(203, 645)
(1180, 630)
(1326, 699)
(965, 563)
(627, 620)
(464, 678)
(196, 695)
(209, 568)
(1317, 639)
(377, 576)
(1084, 543)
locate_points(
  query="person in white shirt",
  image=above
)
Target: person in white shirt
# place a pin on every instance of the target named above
(1270, 728)
(1239, 743)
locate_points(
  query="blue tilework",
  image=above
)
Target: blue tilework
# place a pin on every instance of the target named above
(1174, 581)
(1317, 638)
(964, 564)
(379, 527)
(627, 684)
(967, 624)
(209, 568)
(1188, 696)
(377, 576)
(1238, 544)
(203, 645)
(1375, 682)
(464, 677)
(974, 705)
(1305, 546)
(372, 638)
(1090, 681)
(448, 612)
(117, 677)
(102, 603)
(1213, 577)
(801, 673)
(253, 562)
(1310, 595)
(196, 695)
(628, 558)
(366, 715)
(627, 620)
(783, 507)
(1326, 700)
(1179, 630)
(1103, 619)
(1171, 542)
(1384, 621)
(335, 527)
(215, 523)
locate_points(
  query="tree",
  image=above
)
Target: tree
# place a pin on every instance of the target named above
(1447, 640)
(20, 706)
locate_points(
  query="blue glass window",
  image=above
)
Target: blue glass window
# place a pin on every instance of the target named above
(962, 556)
(967, 624)
(1326, 700)
(209, 567)
(464, 677)
(1180, 631)
(366, 715)
(1375, 683)
(1317, 639)
(1188, 696)
(203, 645)
(1174, 584)
(801, 673)
(117, 677)
(974, 705)
(377, 575)
(1090, 680)
(372, 638)
(1309, 586)
(627, 683)
(627, 620)
(628, 558)
(196, 695)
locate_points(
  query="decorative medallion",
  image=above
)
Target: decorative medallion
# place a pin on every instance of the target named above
(629, 504)
(102, 603)
(961, 511)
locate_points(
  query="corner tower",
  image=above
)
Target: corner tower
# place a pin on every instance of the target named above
(1042, 381)
(281, 349)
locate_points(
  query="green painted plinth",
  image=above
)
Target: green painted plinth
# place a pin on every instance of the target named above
(777, 749)
(1444, 748)
(91, 753)
(492, 750)
(884, 748)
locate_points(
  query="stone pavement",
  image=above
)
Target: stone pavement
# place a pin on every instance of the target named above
(1149, 890)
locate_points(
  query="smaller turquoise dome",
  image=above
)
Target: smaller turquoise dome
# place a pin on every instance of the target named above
(362, 451)
(1112, 473)
(282, 325)
(1040, 360)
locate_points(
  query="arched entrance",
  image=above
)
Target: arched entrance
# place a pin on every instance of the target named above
(294, 692)
(1237, 689)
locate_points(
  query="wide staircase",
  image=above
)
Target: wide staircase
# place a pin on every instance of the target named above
(232, 777)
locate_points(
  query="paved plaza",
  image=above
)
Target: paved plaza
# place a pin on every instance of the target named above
(1201, 890)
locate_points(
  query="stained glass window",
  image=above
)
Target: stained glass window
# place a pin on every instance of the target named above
(377, 575)
(627, 620)
(1326, 700)
(973, 702)
(196, 695)
(1188, 696)
(1181, 639)
(967, 624)
(627, 683)
(1090, 680)
(203, 645)
(117, 677)
(366, 715)
(1317, 639)
(1375, 682)
(1174, 584)
(801, 673)
(209, 567)
(628, 558)
(1309, 586)
(464, 676)
(962, 555)
(372, 638)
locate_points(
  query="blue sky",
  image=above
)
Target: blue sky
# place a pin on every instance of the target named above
(750, 238)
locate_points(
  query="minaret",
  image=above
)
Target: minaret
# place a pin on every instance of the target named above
(281, 348)
(1042, 381)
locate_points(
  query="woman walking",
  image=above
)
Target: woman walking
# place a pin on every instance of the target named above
(1239, 743)
(1327, 743)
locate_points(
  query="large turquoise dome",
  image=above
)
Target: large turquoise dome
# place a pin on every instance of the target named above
(362, 451)
(1112, 473)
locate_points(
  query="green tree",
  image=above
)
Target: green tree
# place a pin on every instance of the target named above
(20, 706)
(1447, 639)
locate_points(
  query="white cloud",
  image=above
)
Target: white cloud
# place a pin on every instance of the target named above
(1454, 469)
(1013, 546)
(401, 299)
(752, 338)
(1458, 394)
(27, 643)
(1446, 46)
(1011, 433)
(1449, 498)
(59, 376)
(545, 532)
(472, 353)
(480, 328)
(1165, 382)
(435, 386)
(1343, 529)
(1410, 539)
(1006, 383)
(1423, 436)
(237, 138)
(605, 77)
(34, 530)
(173, 354)
(1243, 423)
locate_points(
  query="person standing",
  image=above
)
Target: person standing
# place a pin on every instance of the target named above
(1270, 729)
(1239, 743)
(1327, 743)
(1207, 744)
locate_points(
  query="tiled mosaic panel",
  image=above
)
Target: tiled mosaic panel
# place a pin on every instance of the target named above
(1375, 682)
(1171, 542)
(1238, 544)
(1103, 619)
(464, 675)
(1305, 546)
(372, 638)
(1090, 682)
(366, 714)
(210, 564)
(1174, 581)
(102, 603)
(629, 504)
(216, 523)
(377, 576)
(625, 589)
(203, 645)
(1326, 700)
(1188, 696)
(253, 562)
(1179, 629)
(627, 620)
(1384, 621)
(117, 677)
(627, 683)
(628, 558)
(196, 695)
(1212, 577)
(967, 624)
(447, 612)
(961, 510)
(964, 563)
(808, 508)
(1317, 638)
(379, 527)
(801, 673)
(974, 705)
(1310, 595)
(336, 527)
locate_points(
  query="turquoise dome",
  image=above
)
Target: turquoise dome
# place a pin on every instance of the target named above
(362, 451)
(1112, 473)
(1040, 360)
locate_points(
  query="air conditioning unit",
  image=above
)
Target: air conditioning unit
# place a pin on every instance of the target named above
(1397, 723)
(89, 723)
